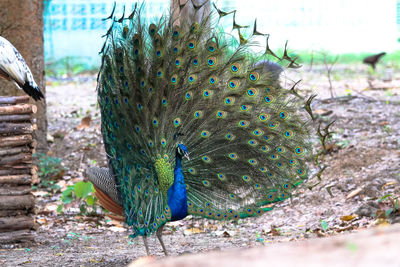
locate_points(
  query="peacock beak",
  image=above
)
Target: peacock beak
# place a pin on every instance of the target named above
(186, 155)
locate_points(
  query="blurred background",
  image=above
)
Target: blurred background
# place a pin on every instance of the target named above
(351, 28)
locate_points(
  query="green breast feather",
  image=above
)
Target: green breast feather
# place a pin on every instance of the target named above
(165, 174)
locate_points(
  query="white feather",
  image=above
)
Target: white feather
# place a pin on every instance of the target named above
(12, 63)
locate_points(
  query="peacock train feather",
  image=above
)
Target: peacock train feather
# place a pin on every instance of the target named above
(174, 90)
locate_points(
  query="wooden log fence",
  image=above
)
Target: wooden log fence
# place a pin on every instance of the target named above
(17, 172)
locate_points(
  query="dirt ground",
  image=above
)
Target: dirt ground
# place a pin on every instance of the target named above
(362, 167)
(341, 250)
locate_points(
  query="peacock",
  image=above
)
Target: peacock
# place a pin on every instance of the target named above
(14, 68)
(195, 123)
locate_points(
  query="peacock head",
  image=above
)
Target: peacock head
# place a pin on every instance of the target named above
(182, 151)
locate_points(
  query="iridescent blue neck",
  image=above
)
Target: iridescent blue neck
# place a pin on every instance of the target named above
(177, 198)
(178, 168)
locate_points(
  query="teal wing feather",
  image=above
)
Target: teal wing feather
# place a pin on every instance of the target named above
(126, 93)
(172, 82)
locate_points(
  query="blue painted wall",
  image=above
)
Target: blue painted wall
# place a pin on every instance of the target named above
(73, 28)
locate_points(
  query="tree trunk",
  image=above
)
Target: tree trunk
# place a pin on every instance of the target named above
(21, 22)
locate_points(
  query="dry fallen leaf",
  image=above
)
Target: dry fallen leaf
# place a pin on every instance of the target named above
(115, 223)
(51, 207)
(332, 148)
(381, 222)
(41, 221)
(320, 233)
(59, 175)
(343, 229)
(273, 231)
(347, 218)
(85, 123)
(323, 112)
(92, 260)
(212, 227)
(388, 184)
(354, 193)
(62, 184)
(191, 231)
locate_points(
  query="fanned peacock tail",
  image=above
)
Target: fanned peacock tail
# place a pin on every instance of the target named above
(170, 82)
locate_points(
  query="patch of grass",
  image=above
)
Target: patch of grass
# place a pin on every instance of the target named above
(68, 66)
(50, 170)
(306, 56)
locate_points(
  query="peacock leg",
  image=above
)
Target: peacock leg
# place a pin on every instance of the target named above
(159, 236)
(146, 245)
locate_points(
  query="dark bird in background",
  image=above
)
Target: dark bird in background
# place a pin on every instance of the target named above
(14, 68)
(372, 60)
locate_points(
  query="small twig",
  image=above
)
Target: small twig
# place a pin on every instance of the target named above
(329, 70)
(363, 95)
